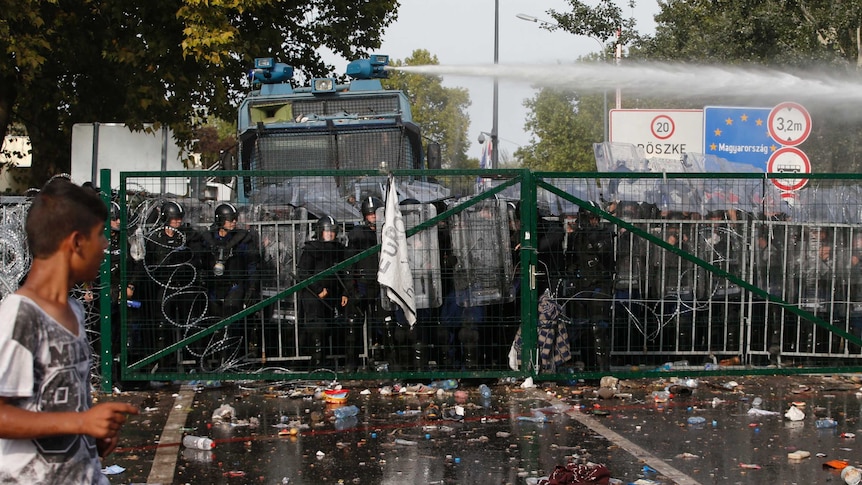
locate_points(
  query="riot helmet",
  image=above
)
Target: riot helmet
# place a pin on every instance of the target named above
(172, 210)
(115, 211)
(325, 223)
(225, 212)
(370, 205)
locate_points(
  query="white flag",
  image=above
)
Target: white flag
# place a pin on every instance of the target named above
(394, 271)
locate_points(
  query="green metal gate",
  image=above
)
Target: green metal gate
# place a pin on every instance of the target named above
(722, 285)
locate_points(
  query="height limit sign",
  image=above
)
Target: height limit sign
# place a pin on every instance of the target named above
(789, 124)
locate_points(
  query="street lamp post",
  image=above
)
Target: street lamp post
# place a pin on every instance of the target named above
(495, 115)
(530, 18)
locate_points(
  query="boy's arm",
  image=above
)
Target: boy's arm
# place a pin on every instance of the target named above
(103, 420)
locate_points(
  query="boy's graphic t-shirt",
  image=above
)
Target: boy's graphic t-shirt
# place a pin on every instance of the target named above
(45, 368)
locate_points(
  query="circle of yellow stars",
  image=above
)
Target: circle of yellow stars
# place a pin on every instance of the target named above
(743, 118)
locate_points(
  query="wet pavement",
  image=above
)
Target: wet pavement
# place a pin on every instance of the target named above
(276, 433)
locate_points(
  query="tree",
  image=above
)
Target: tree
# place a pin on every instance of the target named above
(786, 36)
(213, 139)
(564, 125)
(441, 112)
(803, 37)
(168, 61)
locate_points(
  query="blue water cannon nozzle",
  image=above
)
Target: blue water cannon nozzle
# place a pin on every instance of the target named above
(267, 71)
(374, 67)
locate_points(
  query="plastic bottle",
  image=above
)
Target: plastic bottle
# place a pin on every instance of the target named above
(537, 417)
(201, 456)
(198, 442)
(399, 441)
(826, 423)
(446, 385)
(485, 391)
(696, 420)
(346, 412)
(133, 304)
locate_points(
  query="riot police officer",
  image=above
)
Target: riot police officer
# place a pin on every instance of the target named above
(229, 257)
(589, 256)
(366, 303)
(322, 301)
(170, 269)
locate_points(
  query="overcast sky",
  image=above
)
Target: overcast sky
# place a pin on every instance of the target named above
(461, 32)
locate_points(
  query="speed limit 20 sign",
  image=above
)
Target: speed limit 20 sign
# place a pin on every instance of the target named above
(665, 133)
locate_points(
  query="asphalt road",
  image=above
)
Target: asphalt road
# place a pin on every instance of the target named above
(276, 433)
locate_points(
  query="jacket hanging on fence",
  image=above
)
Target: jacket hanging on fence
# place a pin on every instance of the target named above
(553, 337)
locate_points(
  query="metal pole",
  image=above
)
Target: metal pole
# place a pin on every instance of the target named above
(494, 142)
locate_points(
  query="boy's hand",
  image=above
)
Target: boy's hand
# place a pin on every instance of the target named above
(105, 446)
(104, 420)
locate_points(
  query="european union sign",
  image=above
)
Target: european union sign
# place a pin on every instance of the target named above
(738, 135)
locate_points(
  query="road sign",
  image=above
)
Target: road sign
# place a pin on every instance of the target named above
(789, 160)
(738, 135)
(789, 124)
(662, 133)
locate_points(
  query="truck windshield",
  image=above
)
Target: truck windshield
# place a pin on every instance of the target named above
(385, 149)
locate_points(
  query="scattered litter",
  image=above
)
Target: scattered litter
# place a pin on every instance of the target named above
(419, 390)
(826, 423)
(687, 456)
(799, 455)
(835, 464)
(402, 442)
(606, 392)
(224, 414)
(234, 474)
(578, 473)
(794, 414)
(851, 475)
(762, 412)
(335, 396)
(536, 417)
(528, 383)
(749, 466)
(113, 470)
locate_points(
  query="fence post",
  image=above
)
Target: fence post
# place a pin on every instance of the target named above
(529, 260)
(105, 337)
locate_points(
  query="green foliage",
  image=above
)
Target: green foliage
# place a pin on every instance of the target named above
(802, 37)
(441, 112)
(564, 127)
(805, 38)
(172, 62)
